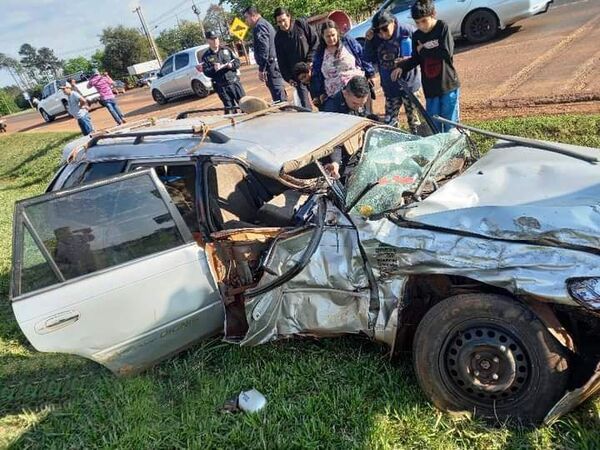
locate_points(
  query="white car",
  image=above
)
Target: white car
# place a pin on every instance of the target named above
(54, 101)
(476, 20)
(181, 74)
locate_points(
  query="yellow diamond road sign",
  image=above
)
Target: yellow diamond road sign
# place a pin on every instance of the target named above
(238, 28)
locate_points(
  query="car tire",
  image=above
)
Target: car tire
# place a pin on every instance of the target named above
(159, 97)
(489, 355)
(47, 117)
(199, 89)
(480, 26)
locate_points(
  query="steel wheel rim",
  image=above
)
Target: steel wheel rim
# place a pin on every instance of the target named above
(486, 365)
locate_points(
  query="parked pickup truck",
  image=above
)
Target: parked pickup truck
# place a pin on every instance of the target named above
(54, 101)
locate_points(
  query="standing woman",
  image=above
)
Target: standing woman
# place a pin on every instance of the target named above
(337, 60)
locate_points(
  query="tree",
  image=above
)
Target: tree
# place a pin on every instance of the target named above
(42, 64)
(302, 8)
(97, 60)
(187, 34)
(49, 63)
(218, 20)
(123, 47)
(78, 64)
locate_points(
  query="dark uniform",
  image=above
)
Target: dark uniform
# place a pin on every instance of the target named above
(266, 58)
(225, 80)
(337, 104)
(298, 44)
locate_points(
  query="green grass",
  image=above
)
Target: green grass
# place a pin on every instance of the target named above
(334, 393)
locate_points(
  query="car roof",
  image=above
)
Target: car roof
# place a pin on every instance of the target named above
(265, 143)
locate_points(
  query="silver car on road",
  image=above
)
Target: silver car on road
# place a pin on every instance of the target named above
(181, 74)
(476, 20)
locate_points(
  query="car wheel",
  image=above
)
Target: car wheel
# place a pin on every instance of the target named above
(47, 117)
(480, 26)
(490, 355)
(159, 97)
(199, 89)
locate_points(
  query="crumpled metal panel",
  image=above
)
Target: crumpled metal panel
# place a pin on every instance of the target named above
(519, 268)
(575, 398)
(331, 295)
(520, 193)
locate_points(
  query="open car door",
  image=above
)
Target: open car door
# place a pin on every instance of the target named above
(109, 271)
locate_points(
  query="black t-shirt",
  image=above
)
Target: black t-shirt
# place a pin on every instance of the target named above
(438, 74)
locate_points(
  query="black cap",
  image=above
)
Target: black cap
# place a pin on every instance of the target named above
(211, 35)
(382, 18)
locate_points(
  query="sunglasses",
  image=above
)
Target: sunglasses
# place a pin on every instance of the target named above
(383, 29)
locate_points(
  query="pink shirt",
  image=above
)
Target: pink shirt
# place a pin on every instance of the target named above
(338, 71)
(103, 86)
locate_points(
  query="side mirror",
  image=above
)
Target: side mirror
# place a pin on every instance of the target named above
(159, 74)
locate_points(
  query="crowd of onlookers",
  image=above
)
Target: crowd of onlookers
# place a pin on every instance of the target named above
(326, 69)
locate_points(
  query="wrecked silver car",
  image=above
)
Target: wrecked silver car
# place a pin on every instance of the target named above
(159, 234)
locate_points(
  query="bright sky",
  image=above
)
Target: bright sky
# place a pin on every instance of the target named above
(71, 28)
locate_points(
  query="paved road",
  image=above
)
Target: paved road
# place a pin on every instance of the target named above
(546, 64)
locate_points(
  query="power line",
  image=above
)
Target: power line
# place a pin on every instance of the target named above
(179, 5)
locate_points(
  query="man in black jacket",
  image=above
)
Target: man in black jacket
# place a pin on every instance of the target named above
(264, 53)
(295, 41)
(221, 65)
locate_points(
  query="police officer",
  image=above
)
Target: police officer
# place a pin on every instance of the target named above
(221, 65)
(352, 99)
(264, 53)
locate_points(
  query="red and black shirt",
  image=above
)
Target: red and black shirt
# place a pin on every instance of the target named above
(438, 75)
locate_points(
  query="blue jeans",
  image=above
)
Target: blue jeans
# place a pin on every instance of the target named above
(114, 110)
(85, 123)
(446, 106)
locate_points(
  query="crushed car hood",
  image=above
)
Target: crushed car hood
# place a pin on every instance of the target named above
(520, 193)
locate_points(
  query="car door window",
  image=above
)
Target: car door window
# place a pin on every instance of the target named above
(180, 182)
(46, 91)
(88, 172)
(181, 60)
(51, 89)
(91, 228)
(167, 67)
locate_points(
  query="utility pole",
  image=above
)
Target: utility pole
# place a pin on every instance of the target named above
(138, 10)
(197, 12)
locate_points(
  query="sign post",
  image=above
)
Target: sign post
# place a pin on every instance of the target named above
(238, 28)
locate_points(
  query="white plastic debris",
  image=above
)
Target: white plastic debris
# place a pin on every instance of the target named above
(251, 401)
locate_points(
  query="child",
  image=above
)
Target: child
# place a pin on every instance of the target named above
(433, 50)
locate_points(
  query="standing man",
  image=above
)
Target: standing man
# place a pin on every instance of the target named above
(383, 48)
(78, 107)
(295, 41)
(103, 84)
(221, 65)
(265, 54)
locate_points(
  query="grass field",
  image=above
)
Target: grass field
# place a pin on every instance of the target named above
(334, 393)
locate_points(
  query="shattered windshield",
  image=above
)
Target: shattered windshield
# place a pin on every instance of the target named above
(395, 164)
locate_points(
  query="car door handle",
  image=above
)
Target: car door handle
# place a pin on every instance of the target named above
(57, 322)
